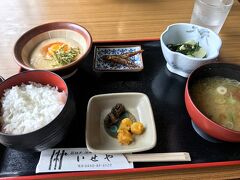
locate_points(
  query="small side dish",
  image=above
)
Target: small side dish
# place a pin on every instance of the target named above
(29, 107)
(187, 46)
(118, 58)
(54, 53)
(109, 128)
(121, 124)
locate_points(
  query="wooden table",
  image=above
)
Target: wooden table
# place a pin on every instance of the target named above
(116, 20)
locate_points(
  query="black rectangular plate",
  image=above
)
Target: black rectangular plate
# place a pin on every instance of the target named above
(166, 93)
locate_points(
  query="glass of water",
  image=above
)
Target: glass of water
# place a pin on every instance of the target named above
(211, 13)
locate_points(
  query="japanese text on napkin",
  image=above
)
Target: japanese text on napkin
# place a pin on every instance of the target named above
(79, 159)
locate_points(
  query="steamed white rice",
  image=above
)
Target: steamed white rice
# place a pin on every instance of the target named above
(29, 107)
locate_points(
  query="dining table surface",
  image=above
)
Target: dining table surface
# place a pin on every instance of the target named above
(117, 20)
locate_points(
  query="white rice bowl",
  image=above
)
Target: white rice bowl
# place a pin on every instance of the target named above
(29, 107)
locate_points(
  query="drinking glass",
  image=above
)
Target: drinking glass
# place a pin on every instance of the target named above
(211, 13)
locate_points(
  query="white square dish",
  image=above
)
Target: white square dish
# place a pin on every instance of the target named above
(99, 141)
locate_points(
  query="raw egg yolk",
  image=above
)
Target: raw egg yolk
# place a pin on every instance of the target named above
(50, 49)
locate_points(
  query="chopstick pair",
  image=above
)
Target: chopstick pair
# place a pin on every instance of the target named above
(159, 157)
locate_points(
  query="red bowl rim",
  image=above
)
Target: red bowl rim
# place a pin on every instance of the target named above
(34, 71)
(193, 104)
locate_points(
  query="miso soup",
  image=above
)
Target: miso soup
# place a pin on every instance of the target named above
(218, 98)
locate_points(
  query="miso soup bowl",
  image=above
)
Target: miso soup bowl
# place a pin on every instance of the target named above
(205, 124)
(30, 39)
(181, 64)
(51, 134)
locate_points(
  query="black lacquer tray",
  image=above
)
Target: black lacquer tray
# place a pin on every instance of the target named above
(165, 90)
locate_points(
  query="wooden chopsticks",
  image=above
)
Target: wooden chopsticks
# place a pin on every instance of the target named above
(159, 157)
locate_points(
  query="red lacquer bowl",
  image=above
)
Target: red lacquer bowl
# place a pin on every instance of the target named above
(51, 134)
(205, 124)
